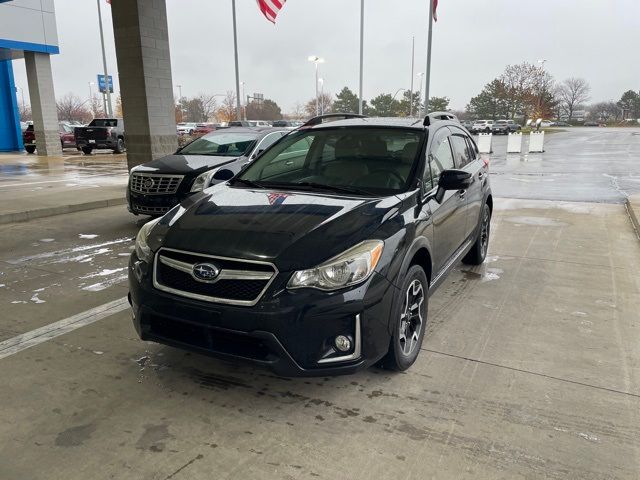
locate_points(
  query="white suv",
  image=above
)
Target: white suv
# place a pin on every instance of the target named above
(482, 126)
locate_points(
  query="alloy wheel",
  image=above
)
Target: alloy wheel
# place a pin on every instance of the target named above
(411, 321)
(484, 232)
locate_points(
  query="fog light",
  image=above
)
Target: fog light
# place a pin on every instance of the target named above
(343, 343)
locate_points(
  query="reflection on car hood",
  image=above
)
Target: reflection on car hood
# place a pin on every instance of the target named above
(184, 164)
(291, 229)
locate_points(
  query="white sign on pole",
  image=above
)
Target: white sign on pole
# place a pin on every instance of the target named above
(514, 143)
(484, 142)
(536, 142)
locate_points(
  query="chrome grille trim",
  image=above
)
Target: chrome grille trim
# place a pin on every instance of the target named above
(150, 210)
(160, 184)
(225, 274)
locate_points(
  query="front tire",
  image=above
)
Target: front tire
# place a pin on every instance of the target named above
(478, 251)
(410, 321)
(87, 150)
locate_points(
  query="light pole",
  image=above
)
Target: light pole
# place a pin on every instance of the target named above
(179, 87)
(541, 62)
(93, 110)
(413, 58)
(244, 103)
(321, 80)
(420, 75)
(104, 64)
(316, 60)
(22, 92)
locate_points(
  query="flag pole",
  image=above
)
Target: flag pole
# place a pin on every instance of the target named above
(235, 51)
(428, 71)
(413, 58)
(360, 101)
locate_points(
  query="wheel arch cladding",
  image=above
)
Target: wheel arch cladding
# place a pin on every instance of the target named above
(422, 258)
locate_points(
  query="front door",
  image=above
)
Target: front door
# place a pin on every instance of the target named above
(449, 217)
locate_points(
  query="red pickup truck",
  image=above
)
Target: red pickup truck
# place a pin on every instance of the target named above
(67, 139)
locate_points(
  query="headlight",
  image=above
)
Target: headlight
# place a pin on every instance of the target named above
(203, 180)
(350, 267)
(143, 251)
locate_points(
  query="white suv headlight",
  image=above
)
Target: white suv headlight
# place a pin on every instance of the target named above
(143, 251)
(350, 267)
(203, 180)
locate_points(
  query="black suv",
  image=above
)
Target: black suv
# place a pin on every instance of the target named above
(319, 256)
(156, 187)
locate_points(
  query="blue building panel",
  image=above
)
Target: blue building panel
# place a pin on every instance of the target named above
(10, 131)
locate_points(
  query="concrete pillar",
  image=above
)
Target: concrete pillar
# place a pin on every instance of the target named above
(43, 103)
(146, 87)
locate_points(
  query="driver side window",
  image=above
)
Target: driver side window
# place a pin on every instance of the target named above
(440, 158)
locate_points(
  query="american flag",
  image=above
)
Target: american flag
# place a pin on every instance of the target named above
(435, 13)
(276, 198)
(270, 8)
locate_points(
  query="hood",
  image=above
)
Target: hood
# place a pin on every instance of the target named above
(293, 230)
(184, 164)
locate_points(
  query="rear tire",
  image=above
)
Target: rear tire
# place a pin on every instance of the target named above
(30, 149)
(478, 251)
(409, 321)
(119, 146)
(87, 150)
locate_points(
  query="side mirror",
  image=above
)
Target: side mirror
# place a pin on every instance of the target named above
(223, 175)
(452, 179)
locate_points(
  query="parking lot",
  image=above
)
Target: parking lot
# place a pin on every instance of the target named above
(530, 367)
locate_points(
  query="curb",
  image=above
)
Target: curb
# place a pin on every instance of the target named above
(59, 210)
(633, 209)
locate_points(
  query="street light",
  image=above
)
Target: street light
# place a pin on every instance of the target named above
(321, 80)
(243, 102)
(93, 110)
(179, 87)
(316, 60)
(420, 75)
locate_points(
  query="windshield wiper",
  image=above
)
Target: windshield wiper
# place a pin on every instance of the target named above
(248, 183)
(322, 186)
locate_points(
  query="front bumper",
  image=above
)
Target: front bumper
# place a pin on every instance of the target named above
(107, 143)
(290, 332)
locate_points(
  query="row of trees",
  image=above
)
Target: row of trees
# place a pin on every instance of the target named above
(205, 108)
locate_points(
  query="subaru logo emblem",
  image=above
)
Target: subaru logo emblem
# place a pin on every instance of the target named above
(148, 183)
(205, 272)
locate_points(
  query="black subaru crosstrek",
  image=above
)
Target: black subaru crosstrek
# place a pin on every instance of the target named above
(318, 257)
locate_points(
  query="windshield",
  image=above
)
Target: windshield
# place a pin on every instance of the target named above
(103, 122)
(225, 144)
(367, 161)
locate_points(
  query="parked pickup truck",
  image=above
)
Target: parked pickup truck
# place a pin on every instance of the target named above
(505, 127)
(107, 133)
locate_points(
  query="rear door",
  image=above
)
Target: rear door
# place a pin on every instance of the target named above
(449, 217)
(464, 161)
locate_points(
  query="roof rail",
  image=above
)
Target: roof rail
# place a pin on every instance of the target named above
(330, 117)
(439, 116)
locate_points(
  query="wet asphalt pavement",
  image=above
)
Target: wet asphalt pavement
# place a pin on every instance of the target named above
(580, 164)
(530, 368)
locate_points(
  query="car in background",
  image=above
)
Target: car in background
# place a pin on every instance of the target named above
(481, 126)
(186, 128)
(284, 123)
(65, 130)
(203, 129)
(504, 127)
(259, 123)
(239, 123)
(157, 186)
(101, 133)
(560, 123)
(467, 124)
(320, 256)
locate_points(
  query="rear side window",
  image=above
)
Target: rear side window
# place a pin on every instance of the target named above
(460, 150)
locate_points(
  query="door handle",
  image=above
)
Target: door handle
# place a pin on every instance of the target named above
(480, 175)
(288, 163)
(462, 193)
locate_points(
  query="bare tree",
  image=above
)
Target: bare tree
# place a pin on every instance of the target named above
(227, 110)
(71, 108)
(297, 112)
(605, 111)
(325, 101)
(573, 92)
(97, 107)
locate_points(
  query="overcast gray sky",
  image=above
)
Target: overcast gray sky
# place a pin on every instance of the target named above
(472, 43)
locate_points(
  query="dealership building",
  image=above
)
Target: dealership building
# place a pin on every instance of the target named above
(28, 30)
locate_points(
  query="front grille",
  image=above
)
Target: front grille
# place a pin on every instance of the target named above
(239, 282)
(151, 210)
(154, 184)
